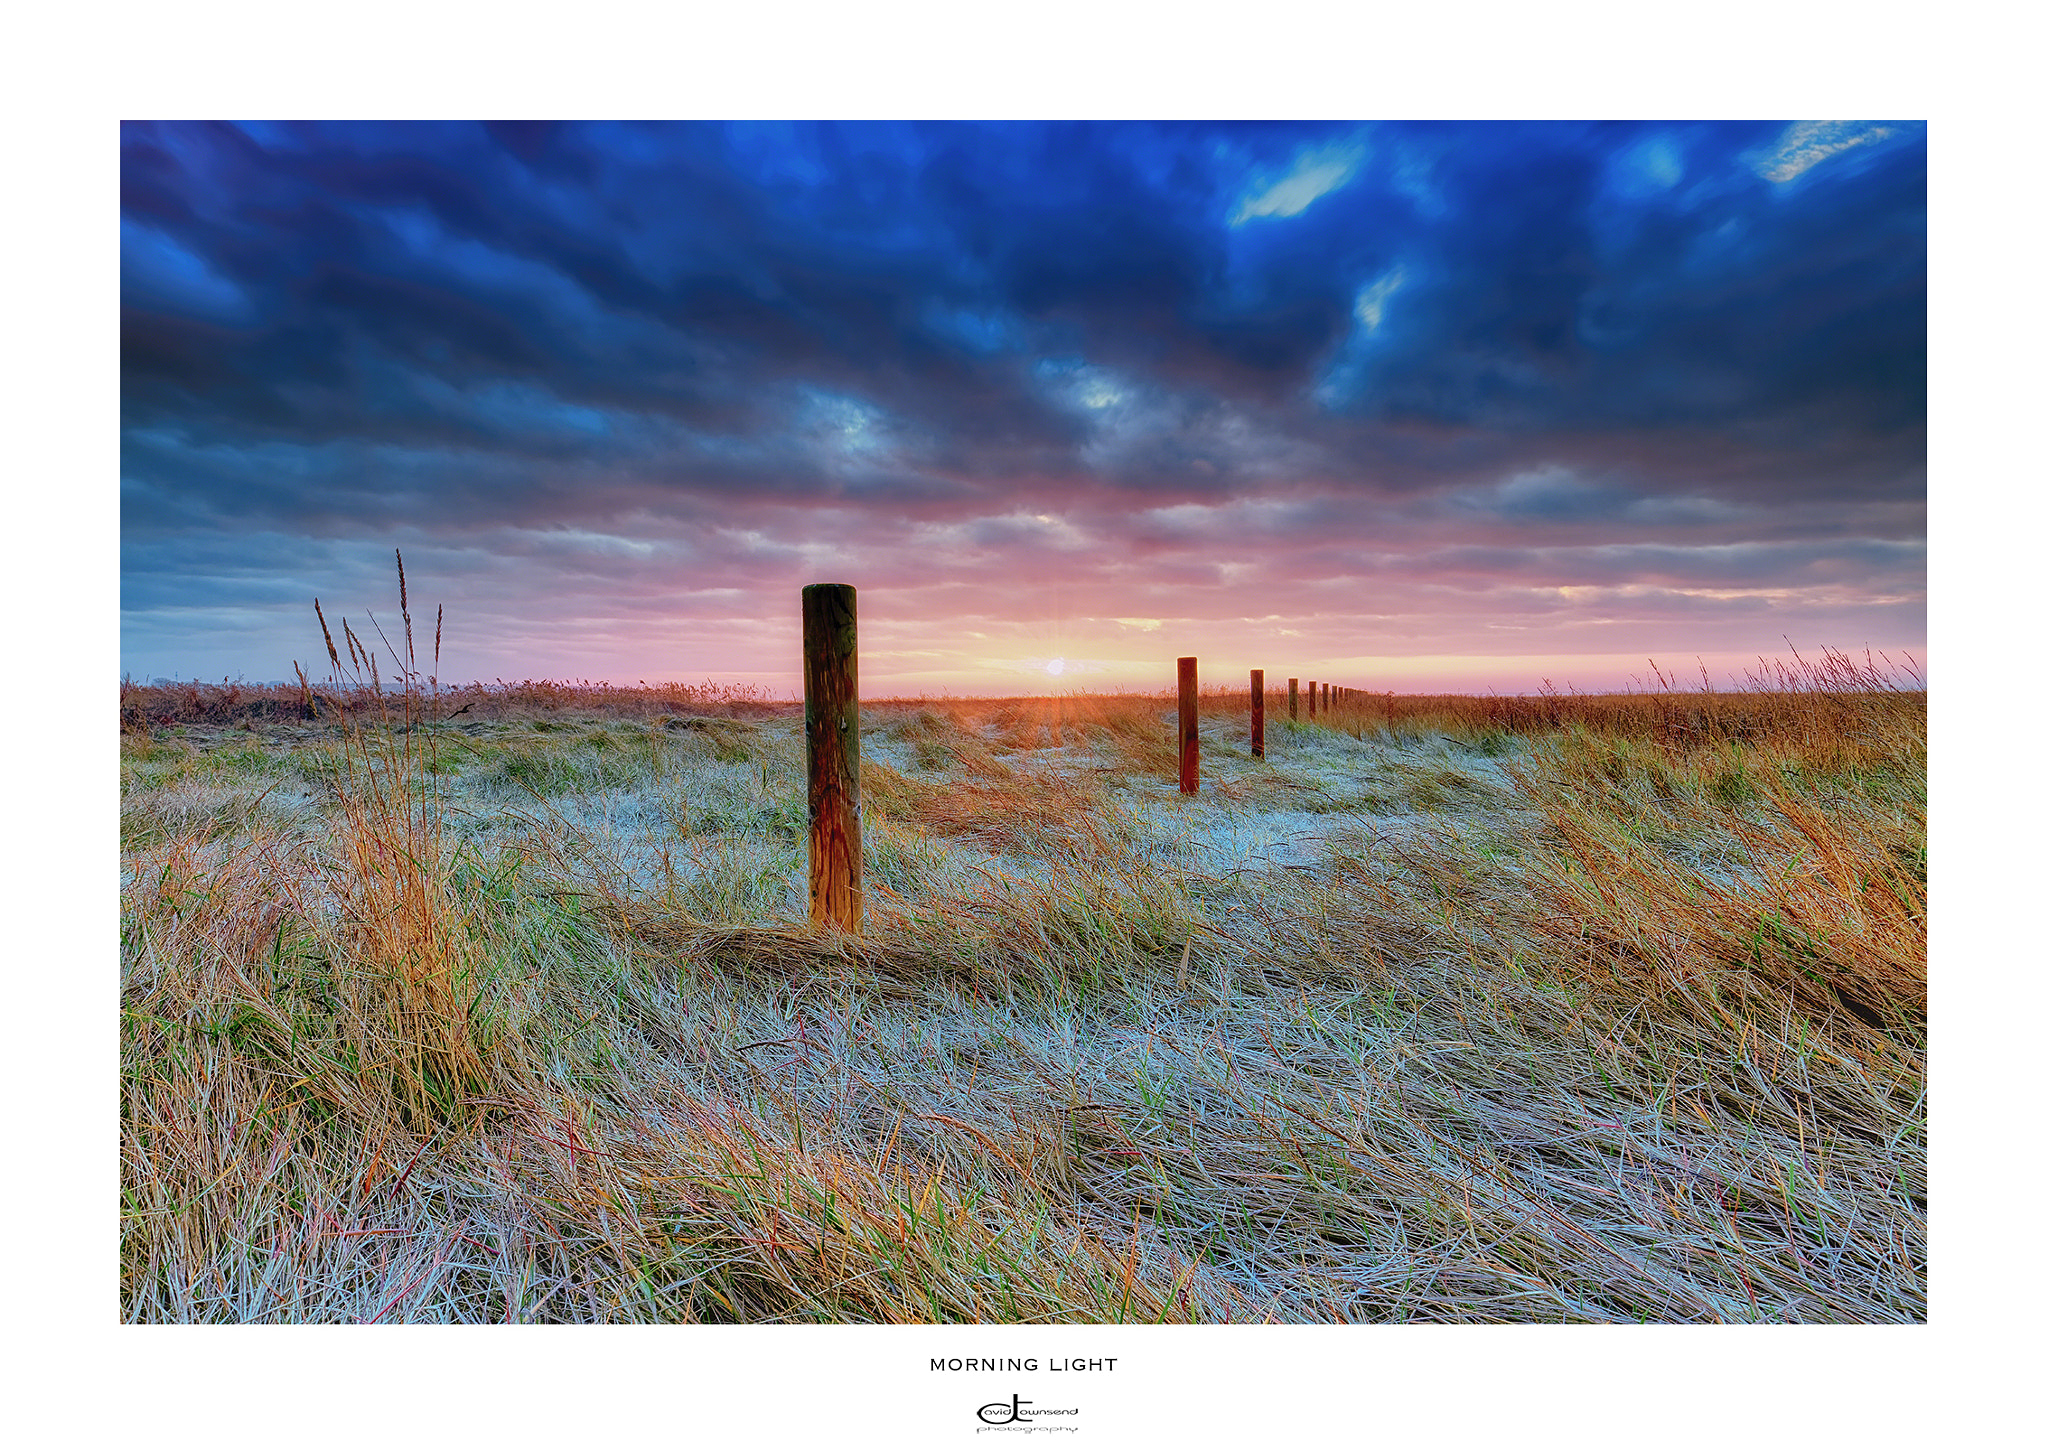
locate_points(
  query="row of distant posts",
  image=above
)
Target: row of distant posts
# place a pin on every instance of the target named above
(1332, 695)
(832, 744)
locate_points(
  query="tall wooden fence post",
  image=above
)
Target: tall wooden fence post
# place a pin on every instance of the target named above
(832, 743)
(1311, 699)
(1258, 712)
(1294, 699)
(1190, 733)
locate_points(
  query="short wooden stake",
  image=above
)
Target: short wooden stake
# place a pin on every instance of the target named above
(1190, 734)
(1294, 699)
(1258, 712)
(832, 743)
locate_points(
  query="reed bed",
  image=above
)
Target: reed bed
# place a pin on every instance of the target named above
(509, 1014)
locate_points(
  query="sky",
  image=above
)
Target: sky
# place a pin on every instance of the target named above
(1410, 406)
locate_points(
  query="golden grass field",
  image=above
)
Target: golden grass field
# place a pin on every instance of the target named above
(498, 1005)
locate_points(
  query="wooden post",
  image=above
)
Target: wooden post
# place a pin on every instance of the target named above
(832, 742)
(1190, 734)
(1258, 712)
(1294, 699)
(1311, 699)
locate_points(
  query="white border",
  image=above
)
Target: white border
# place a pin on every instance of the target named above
(77, 71)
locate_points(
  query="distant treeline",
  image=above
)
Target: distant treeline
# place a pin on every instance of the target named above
(1805, 698)
(230, 703)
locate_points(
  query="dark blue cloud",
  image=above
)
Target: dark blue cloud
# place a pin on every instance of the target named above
(345, 329)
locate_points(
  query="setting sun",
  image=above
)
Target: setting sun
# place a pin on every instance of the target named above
(1057, 666)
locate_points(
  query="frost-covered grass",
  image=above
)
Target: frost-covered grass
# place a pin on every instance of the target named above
(1466, 1011)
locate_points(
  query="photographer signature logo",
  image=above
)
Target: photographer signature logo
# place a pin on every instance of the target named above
(1013, 1411)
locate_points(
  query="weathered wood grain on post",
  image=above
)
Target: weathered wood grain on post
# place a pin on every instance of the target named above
(1294, 699)
(1258, 712)
(1190, 732)
(1311, 698)
(832, 743)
